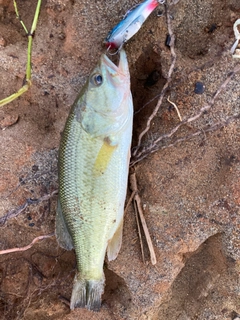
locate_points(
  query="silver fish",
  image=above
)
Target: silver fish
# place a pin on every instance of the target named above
(93, 171)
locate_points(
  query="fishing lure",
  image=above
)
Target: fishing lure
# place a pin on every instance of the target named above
(130, 24)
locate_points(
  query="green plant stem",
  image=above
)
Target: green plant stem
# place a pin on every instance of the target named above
(30, 34)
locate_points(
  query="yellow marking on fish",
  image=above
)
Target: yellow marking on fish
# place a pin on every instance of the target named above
(103, 158)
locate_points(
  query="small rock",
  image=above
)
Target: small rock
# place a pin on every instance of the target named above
(61, 36)
(199, 88)
(168, 41)
(8, 121)
(3, 42)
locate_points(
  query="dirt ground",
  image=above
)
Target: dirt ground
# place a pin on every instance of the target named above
(190, 185)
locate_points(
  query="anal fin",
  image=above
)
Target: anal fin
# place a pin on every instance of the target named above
(115, 243)
(62, 234)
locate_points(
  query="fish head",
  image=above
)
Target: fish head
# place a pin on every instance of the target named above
(109, 84)
(106, 102)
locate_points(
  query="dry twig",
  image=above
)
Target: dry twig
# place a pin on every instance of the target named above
(28, 246)
(214, 127)
(138, 207)
(129, 202)
(139, 229)
(176, 108)
(154, 146)
(140, 152)
(17, 211)
(166, 86)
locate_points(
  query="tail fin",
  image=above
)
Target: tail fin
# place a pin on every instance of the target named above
(87, 293)
(95, 290)
(79, 296)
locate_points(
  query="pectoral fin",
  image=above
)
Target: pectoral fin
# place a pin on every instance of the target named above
(63, 237)
(115, 243)
(103, 158)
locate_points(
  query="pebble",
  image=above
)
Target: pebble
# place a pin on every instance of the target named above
(3, 42)
(168, 40)
(199, 88)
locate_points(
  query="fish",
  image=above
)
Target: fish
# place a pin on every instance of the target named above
(93, 165)
(130, 24)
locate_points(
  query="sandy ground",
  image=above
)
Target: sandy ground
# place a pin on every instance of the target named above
(190, 185)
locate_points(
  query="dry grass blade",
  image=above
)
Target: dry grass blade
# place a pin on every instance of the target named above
(139, 230)
(129, 202)
(137, 201)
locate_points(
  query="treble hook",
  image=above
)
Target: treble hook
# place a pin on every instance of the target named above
(237, 36)
(118, 49)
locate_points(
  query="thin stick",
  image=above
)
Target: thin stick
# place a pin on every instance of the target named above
(28, 246)
(166, 86)
(15, 212)
(129, 202)
(176, 108)
(137, 200)
(154, 146)
(139, 230)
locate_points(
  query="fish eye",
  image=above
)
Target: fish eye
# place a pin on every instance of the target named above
(97, 79)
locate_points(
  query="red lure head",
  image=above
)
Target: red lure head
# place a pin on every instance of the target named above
(110, 45)
(152, 5)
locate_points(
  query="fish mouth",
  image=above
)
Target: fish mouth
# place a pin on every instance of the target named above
(121, 66)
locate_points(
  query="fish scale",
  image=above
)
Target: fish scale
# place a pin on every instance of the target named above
(93, 171)
(81, 189)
